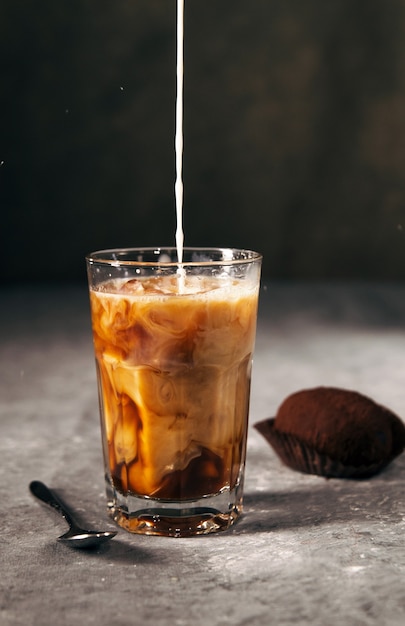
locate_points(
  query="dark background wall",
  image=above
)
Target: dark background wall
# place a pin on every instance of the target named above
(294, 133)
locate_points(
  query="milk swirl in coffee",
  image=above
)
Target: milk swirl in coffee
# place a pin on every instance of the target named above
(175, 377)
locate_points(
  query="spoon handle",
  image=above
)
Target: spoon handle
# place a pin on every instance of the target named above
(42, 492)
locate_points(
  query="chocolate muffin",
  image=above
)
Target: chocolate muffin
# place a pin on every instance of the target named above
(335, 433)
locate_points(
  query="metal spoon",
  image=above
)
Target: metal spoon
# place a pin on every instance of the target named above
(75, 537)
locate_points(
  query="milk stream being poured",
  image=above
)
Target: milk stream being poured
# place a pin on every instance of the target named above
(179, 140)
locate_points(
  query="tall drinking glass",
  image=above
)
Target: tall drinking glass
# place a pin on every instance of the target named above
(173, 346)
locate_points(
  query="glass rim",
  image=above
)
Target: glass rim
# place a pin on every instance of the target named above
(106, 256)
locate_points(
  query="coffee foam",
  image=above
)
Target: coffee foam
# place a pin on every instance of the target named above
(161, 288)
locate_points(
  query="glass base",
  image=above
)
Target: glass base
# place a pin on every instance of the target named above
(146, 516)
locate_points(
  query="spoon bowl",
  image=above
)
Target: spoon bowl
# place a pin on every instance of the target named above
(87, 539)
(75, 537)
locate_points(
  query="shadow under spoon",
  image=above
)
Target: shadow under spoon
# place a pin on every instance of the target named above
(75, 537)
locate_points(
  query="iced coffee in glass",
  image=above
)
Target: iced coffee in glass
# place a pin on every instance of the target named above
(173, 346)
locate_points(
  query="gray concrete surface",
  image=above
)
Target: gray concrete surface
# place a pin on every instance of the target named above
(307, 550)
